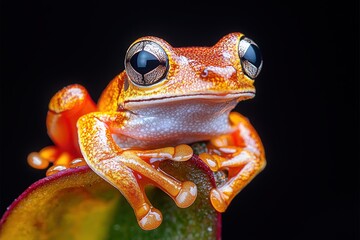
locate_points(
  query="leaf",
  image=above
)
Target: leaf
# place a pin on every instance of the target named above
(77, 204)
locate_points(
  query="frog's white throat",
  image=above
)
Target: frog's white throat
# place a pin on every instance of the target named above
(175, 122)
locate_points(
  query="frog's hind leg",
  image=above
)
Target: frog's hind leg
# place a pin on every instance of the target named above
(131, 170)
(65, 108)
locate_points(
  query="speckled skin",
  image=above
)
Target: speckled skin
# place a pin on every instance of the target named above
(132, 127)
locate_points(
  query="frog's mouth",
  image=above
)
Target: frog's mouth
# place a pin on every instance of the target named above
(209, 97)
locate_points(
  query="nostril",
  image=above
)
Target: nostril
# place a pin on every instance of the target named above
(205, 72)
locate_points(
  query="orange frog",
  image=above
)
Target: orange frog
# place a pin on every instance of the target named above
(165, 99)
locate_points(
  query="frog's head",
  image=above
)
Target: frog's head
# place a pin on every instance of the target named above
(158, 73)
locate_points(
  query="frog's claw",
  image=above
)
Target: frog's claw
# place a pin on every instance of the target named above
(59, 159)
(131, 170)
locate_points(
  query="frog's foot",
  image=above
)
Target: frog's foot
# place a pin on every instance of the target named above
(58, 159)
(130, 174)
(146, 163)
(241, 166)
(150, 218)
(184, 194)
(42, 159)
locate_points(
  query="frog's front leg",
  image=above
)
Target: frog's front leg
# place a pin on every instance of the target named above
(130, 170)
(241, 154)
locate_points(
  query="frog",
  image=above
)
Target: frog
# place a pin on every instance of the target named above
(166, 99)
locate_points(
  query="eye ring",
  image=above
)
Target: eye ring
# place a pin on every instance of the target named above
(250, 57)
(146, 63)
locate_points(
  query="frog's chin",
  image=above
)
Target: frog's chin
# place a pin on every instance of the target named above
(210, 97)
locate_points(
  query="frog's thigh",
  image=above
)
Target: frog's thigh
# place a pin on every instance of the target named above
(65, 108)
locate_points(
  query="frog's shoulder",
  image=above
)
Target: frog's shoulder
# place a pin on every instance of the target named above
(111, 97)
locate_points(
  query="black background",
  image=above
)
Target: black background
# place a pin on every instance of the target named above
(306, 109)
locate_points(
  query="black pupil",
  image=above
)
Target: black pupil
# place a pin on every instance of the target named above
(253, 55)
(143, 62)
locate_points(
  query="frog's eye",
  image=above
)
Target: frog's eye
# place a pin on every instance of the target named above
(250, 57)
(146, 63)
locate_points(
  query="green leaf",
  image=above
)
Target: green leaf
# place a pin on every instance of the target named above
(77, 204)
